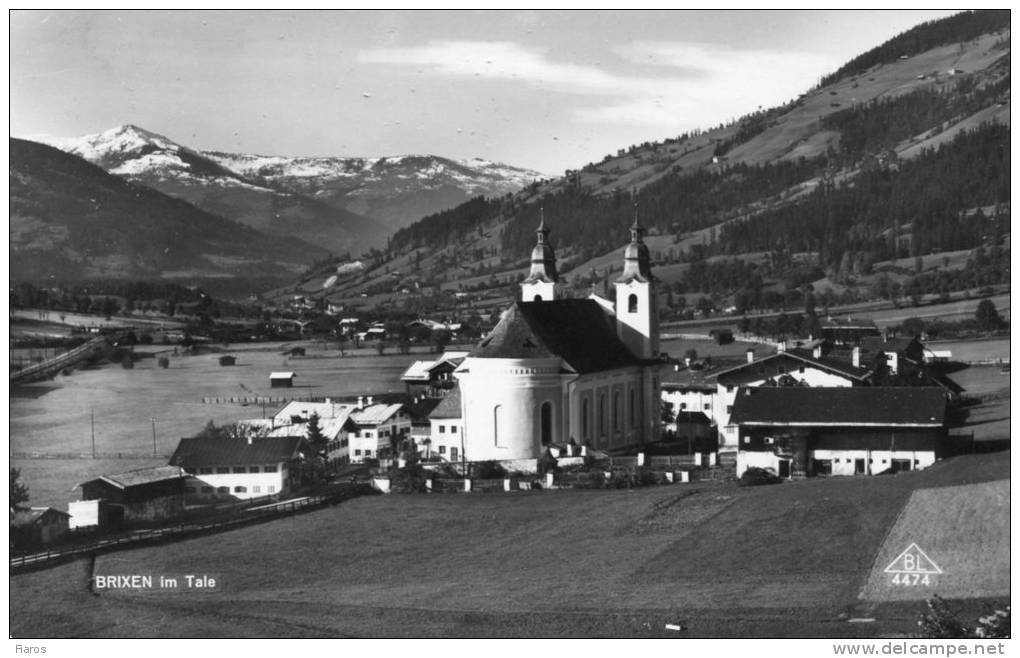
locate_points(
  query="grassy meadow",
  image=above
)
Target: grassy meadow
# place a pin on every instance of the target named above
(781, 561)
(56, 416)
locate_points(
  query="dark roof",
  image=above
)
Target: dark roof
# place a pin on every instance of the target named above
(898, 344)
(831, 365)
(22, 516)
(449, 407)
(848, 406)
(576, 330)
(236, 450)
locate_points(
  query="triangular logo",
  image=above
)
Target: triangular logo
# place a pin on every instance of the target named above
(913, 560)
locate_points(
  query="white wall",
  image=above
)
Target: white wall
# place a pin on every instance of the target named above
(444, 443)
(261, 481)
(875, 461)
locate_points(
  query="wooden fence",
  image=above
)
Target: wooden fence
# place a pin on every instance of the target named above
(186, 530)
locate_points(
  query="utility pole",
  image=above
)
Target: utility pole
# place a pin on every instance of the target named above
(93, 433)
(153, 419)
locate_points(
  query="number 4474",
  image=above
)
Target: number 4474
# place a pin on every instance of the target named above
(911, 579)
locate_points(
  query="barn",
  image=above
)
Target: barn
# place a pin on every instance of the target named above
(139, 496)
(800, 431)
(228, 360)
(281, 379)
(37, 526)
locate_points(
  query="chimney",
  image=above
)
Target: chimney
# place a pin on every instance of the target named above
(369, 402)
(817, 352)
(781, 347)
(249, 439)
(750, 356)
(361, 403)
(856, 360)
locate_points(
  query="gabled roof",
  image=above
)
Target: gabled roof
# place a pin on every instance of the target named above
(881, 406)
(897, 344)
(449, 407)
(418, 371)
(281, 375)
(375, 414)
(575, 330)
(833, 366)
(324, 410)
(141, 476)
(225, 451)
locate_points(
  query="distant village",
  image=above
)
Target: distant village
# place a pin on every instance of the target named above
(560, 385)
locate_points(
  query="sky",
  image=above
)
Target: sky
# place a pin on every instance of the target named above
(546, 90)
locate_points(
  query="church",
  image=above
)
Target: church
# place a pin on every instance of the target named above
(557, 370)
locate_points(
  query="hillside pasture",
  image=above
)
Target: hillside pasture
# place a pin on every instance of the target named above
(963, 530)
(780, 561)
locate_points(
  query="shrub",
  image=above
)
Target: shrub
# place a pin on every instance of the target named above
(490, 470)
(940, 621)
(755, 476)
(164, 362)
(410, 479)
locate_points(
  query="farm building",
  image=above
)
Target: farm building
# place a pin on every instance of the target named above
(335, 423)
(139, 496)
(796, 367)
(281, 379)
(228, 360)
(847, 331)
(37, 526)
(721, 336)
(796, 431)
(898, 351)
(232, 468)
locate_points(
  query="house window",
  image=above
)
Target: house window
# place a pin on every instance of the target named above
(729, 408)
(729, 388)
(205, 470)
(269, 469)
(253, 469)
(802, 370)
(782, 370)
(223, 490)
(632, 303)
(707, 406)
(442, 429)
(207, 490)
(545, 421)
(256, 489)
(368, 453)
(683, 406)
(357, 452)
(453, 454)
(271, 489)
(222, 469)
(189, 490)
(240, 489)
(442, 450)
(240, 469)
(497, 422)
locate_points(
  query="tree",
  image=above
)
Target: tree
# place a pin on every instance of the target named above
(315, 436)
(19, 491)
(441, 339)
(987, 316)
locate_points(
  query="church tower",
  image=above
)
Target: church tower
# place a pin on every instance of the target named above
(637, 312)
(541, 282)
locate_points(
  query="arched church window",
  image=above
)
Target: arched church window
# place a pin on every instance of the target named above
(633, 408)
(585, 411)
(616, 411)
(632, 303)
(497, 425)
(545, 421)
(602, 414)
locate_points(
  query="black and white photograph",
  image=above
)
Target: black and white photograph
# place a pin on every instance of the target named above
(535, 324)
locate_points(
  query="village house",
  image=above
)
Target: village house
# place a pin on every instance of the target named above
(553, 371)
(37, 526)
(143, 495)
(335, 424)
(377, 427)
(446, 429)
(786, 368)
(847, 331)
(794, 431)
(237, 468)
(433, 378)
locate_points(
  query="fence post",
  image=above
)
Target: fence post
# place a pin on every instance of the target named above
(549, 480)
